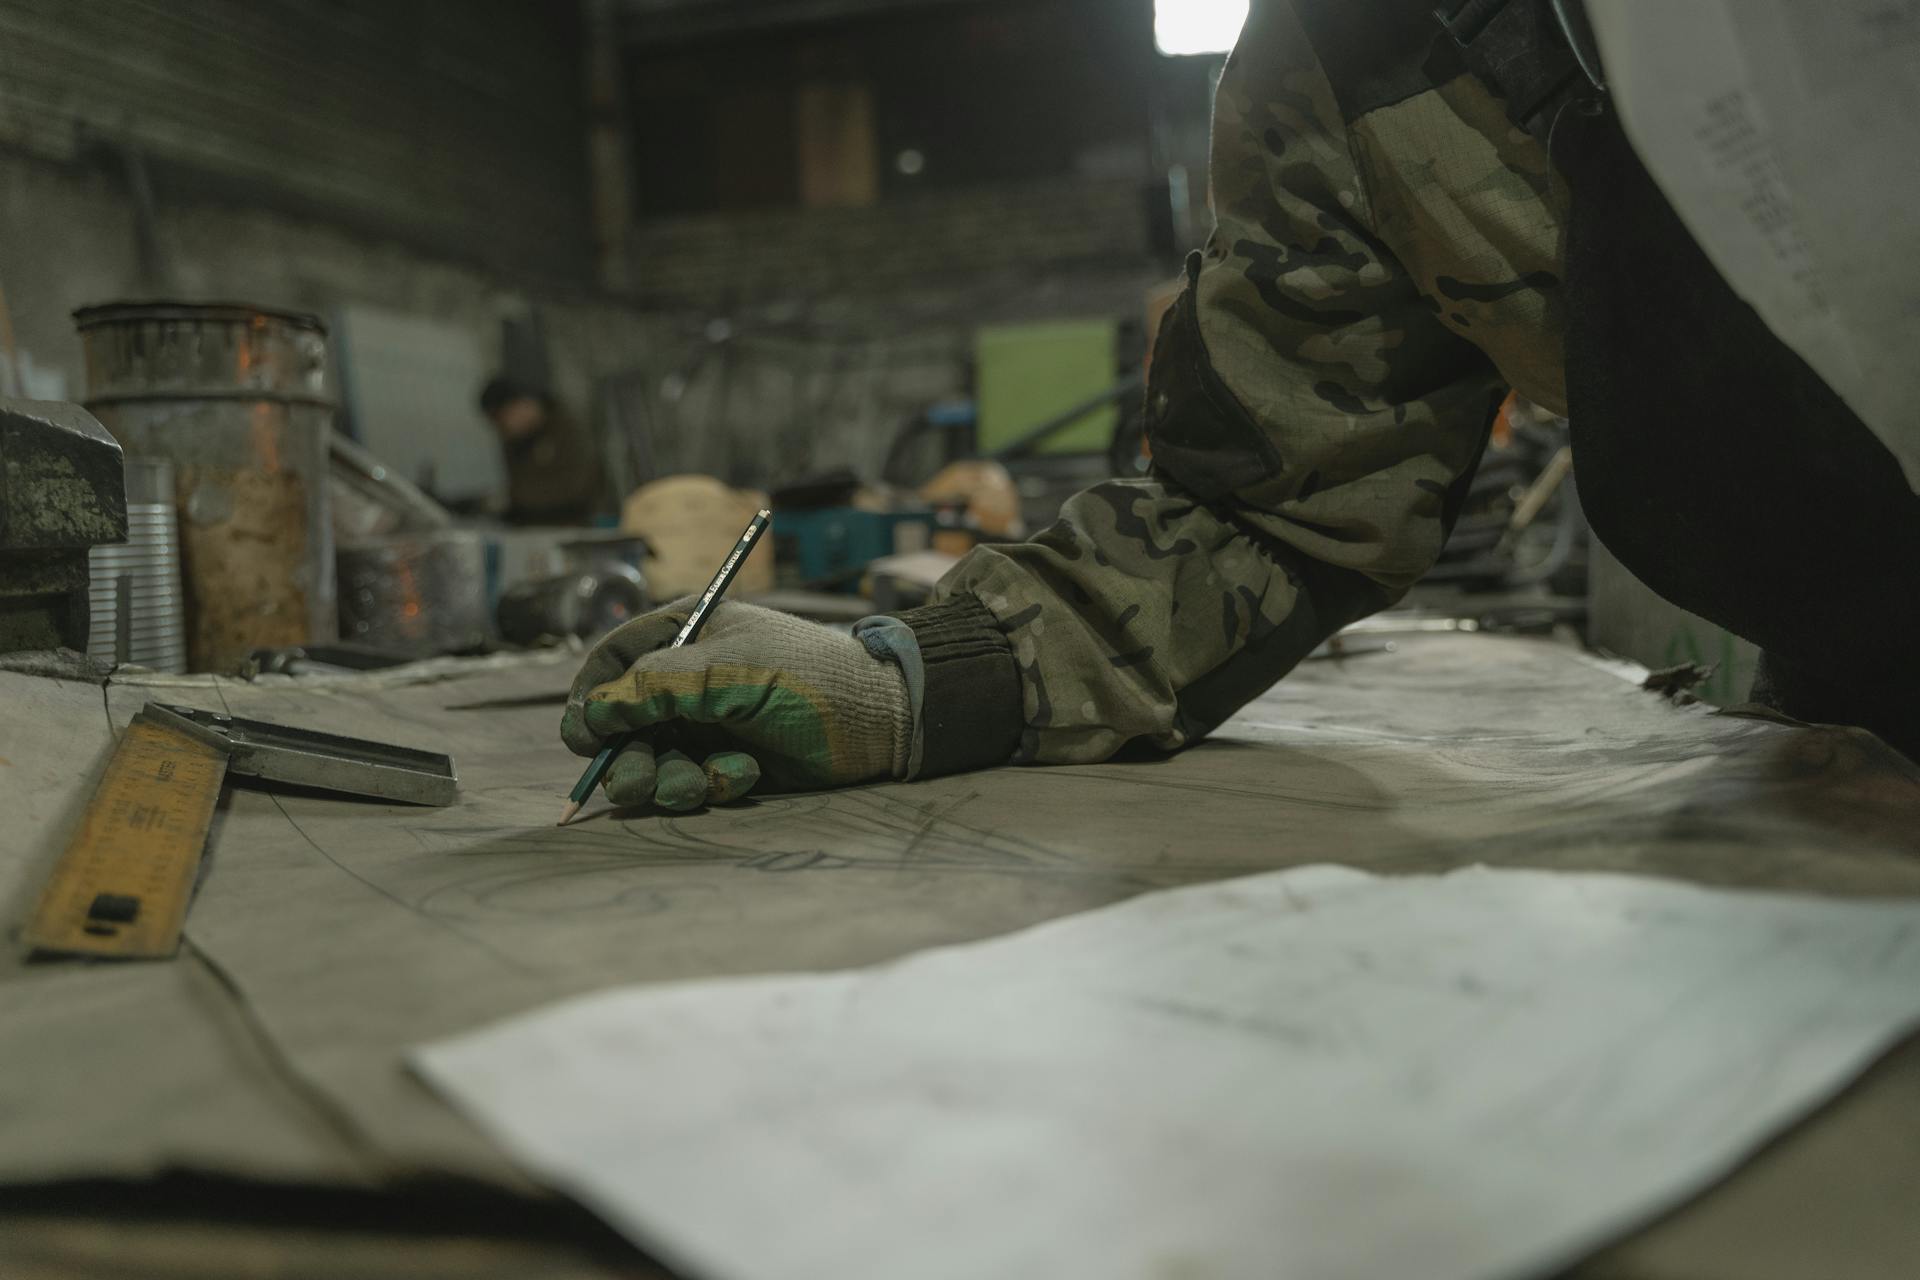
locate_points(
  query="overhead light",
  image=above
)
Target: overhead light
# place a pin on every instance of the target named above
(1197, 26)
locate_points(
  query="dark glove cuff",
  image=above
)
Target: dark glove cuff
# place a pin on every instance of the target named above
(971, 717)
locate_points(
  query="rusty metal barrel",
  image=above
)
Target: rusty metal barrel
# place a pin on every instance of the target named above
(234, 396)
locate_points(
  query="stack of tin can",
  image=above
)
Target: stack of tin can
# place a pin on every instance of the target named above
(134, 595)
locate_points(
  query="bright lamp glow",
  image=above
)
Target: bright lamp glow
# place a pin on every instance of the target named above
(1197, 26)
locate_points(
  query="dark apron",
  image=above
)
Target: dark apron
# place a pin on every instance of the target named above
(1719, 468)
(1711, 460)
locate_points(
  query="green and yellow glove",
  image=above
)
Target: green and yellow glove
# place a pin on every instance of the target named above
(759, 698)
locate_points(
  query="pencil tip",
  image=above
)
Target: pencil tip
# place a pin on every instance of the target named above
(566, 814)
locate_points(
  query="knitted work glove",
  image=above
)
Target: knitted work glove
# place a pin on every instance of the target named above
(760, 697)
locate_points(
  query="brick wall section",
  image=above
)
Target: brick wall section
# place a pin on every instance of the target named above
(898, 246)
(459, 129)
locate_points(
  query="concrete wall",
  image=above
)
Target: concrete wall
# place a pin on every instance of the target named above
(457, 128)
(803, 353)
(68, 239)
(935, 242)
(793, 386)
(422, 158)
(841, 323)
(207, 150)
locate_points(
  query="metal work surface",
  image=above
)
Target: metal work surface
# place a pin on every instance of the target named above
(330, 934)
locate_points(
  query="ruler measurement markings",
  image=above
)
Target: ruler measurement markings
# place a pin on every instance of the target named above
(122, 885)
(121, 888)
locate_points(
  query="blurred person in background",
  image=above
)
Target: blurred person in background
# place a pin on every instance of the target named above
(553, 475)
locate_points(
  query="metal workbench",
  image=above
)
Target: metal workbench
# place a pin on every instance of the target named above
(243, 1110)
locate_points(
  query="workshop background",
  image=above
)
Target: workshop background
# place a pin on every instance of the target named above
(817, 204)
(760, 242)
(364, 362)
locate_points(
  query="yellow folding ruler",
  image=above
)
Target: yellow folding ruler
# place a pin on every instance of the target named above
(122, 885)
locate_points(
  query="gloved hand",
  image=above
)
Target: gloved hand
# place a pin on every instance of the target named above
(758, 697)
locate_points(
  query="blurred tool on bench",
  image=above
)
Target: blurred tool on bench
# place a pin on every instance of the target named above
(61, 494)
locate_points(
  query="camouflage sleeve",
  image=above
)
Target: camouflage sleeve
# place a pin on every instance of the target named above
(1312, 426)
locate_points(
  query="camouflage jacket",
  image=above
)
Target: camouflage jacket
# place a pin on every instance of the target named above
(1377, 275)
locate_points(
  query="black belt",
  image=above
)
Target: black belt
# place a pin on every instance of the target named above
(1536, 55)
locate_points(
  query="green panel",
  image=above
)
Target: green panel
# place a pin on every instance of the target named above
(1026, 373)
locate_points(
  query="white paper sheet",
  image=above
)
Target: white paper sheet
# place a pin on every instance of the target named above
(1309, 1073)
